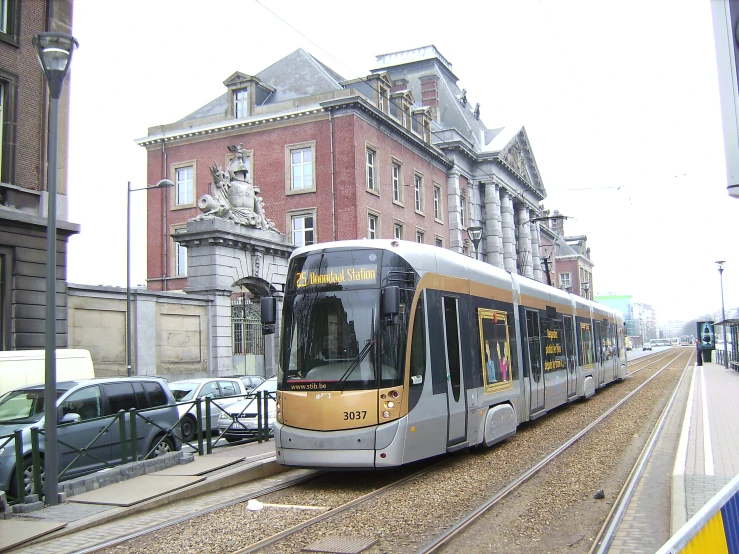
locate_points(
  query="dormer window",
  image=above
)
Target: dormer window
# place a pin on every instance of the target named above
(241, 103)
(382, 100)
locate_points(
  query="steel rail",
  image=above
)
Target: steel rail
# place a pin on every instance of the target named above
(470, 518)
(608, 531)
(335, 511)
(159, 526)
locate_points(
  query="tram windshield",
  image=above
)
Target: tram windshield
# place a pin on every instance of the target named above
(334, 336)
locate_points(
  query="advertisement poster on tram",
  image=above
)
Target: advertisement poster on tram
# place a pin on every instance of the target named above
(495, 349)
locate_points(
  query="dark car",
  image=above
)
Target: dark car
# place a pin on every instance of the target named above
(85, 407)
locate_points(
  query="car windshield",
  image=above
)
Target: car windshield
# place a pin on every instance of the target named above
(183, 392)
(23, 406)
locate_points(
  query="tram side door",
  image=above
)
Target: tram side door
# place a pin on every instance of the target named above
(569, 345)
(455, 393)
(600, 362)
(534, 359)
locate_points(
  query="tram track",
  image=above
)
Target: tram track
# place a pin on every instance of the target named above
(348, 518)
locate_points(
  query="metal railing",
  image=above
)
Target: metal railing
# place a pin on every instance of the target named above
(128, 425)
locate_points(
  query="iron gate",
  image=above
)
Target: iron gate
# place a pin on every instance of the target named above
(246, 327)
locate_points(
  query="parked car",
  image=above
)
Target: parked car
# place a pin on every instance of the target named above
(239, 421)
(84, 408)
(250, 381)
(647, 346)
(218, 389)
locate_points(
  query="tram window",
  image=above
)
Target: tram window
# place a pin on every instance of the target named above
(452, 345)
(569, 343)
(534, 343)
(418, 347)
(586, 345)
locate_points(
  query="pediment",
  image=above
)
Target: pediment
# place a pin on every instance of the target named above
(519, 157)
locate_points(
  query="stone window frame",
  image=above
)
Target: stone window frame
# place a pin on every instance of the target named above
(375, 177)
(173, 175)
(303, 212)
(565, 282)
(8, 120)
(10, 21)
(438, 204)
(383, 99)
(463, 210)
(397, 163)
(439, 241)
(6, 296)
(398, 225)
(174, 229)
(373, 215)
(420, 234)
(418, 192)
(289, 148)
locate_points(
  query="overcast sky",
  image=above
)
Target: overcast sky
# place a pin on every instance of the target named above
(619, 101)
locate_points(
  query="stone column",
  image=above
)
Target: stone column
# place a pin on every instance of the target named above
(536, 253)
(452, 203)
(493, 229)
(524, 241)
(508, 232)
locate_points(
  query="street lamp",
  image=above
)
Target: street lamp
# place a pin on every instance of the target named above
(54, 52)
(586, 288)
(723, 313)
(475, 234)
(163, 184)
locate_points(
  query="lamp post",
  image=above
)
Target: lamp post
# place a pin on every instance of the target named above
(54, 51)
(723, 313)
(163, 184)
(586, 288)
(475, 234)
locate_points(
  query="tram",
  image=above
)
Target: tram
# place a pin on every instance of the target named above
(393, 351)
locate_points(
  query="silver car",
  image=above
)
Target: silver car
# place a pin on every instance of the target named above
(239, 421)
(187, 391)
(85, 408)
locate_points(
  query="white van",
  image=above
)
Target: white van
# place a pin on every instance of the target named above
(20, 368)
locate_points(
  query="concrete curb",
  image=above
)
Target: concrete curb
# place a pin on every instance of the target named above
(229, 477)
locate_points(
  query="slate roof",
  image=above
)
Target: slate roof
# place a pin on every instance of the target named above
(295, 76)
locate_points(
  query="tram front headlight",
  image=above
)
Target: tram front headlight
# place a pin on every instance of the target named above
(390, 404)
(385, 414)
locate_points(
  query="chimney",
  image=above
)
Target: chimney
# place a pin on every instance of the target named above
(430, 91)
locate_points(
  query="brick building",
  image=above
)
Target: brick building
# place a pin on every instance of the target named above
(24, 107)
(400, 153)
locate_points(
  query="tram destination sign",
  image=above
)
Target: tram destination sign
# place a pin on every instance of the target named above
(363, 274)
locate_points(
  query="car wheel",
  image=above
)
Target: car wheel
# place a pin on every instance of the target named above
(27, 478)
(163, 446)
(188, 429)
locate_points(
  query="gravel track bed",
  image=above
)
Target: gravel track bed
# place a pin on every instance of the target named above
(410, 516)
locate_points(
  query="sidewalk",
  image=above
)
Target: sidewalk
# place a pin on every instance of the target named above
(226, 467)
(696, 455)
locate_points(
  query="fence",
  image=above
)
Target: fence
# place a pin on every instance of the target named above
(251, 426)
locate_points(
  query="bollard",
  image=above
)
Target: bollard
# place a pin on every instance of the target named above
(199, 423)
(121, 415)
(259, 416)
(134, 436)
(36, 455)
(19, 473)
(208, 430)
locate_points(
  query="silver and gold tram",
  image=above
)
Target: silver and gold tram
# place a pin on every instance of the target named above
(392, 351)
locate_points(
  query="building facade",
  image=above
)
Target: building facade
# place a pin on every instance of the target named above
(401, 153)
(24, 109)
